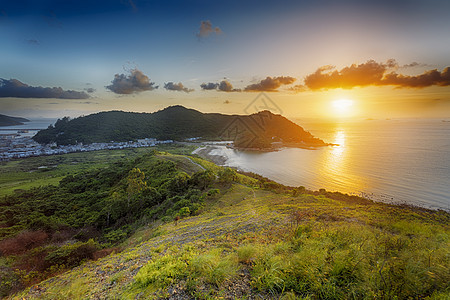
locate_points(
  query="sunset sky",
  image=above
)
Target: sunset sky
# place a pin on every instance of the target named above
(386, 59)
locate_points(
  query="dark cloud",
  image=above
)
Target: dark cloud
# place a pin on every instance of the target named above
(134, 83)
(89, 90)
(226, 86)
(372, 73)
(414, 64)
(223, 86)
(170, 86)
(33, 42)
(16, 89)
(269, 84)
(206, 29)
(209, 86)
(429, 78)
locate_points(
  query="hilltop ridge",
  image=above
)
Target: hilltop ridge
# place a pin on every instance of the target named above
(9, 121)
(178, 123)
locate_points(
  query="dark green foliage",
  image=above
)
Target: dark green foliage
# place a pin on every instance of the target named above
(227, 175)
(176, 123)
(8, 121)
(71, 255)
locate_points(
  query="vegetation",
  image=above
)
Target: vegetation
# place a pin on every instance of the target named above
(8, 121)
(52, 228)
(238, 236)
(177, 123)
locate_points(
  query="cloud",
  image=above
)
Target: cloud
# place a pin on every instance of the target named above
(17, 89)
(33, 42)
(136, 82)
(298, 88)
(223, 86)
(90, 90)
(372, 73)
(170, 86)
(206, 29)
(429, 78)
(269, 84)
(209, 86)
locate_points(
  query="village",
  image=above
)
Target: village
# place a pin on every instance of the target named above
(14, 145)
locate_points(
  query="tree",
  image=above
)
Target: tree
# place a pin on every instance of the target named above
(136, 183)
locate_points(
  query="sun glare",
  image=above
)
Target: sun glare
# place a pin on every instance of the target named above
(342, 106)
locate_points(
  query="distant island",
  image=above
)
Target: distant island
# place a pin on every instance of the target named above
(11, 121)
(261, 131)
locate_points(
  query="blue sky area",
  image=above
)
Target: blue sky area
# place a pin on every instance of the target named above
(77, 57)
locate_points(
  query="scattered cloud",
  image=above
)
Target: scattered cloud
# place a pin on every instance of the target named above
(17, 89)
(372, 73)
(170, 86)
(209, 86)
(206, 29)
(269, 84)
(90, 90)
(298, 88)
(223, 86)
(136, 82)
(415, 64)
(33, 42)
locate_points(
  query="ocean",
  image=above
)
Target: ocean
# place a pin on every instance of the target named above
(33, 124)
(398, 161)
(395, 161)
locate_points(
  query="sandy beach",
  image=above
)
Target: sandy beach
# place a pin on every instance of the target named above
(207, 152)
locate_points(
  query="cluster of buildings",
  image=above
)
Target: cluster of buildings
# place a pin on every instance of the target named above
(17, 146)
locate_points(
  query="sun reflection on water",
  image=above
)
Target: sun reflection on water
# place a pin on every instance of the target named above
(338, 151)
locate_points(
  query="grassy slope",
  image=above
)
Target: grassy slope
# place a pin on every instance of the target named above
(25, 173)
(336, 250)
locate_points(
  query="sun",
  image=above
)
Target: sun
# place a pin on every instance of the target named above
(342, 106)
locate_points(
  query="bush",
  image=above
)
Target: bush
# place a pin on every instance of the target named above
(22, 242)
(184, 212)
(72, 255)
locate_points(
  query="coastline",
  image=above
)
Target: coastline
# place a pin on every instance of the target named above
(205, 152)
(221, 156)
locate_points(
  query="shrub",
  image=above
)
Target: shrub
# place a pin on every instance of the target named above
(184, 212)
(73, 254)
(22, 242)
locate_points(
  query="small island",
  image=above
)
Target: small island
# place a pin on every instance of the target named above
(262, 131)
(11, 121)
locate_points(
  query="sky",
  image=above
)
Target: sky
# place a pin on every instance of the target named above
(310, 59)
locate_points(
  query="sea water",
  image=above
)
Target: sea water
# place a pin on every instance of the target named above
(398, 161)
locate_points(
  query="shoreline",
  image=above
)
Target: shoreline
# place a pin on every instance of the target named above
(204, 151)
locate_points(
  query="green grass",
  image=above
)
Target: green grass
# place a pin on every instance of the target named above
(23, 174)
(249, 242)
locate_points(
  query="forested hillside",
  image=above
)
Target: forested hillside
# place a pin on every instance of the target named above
(177, 123)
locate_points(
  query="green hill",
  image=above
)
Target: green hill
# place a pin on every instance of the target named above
(9, 121)
(177, 123)
(171, 226)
